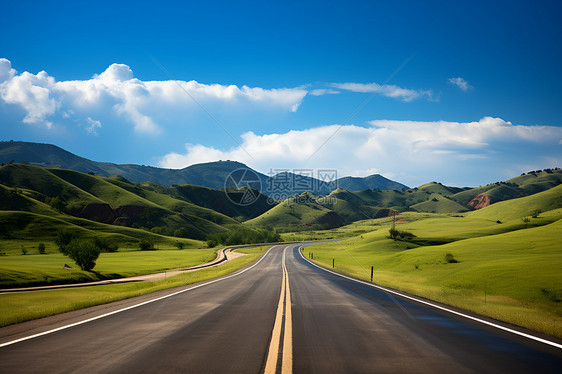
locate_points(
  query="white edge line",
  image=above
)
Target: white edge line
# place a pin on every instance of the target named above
(132, 306)
(437, 306)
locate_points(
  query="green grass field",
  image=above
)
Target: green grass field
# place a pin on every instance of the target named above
(507, 271)
(32, 270)
(20, 307)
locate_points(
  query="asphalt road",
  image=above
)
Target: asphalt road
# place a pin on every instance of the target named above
(281, 315)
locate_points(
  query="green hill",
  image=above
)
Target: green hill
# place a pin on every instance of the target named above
(435, 187)
(524, 185)
(216, 200)
(210, 174)
(520, 208)
(371, 182)
(299, 212)
(439, 204)
(102, 200)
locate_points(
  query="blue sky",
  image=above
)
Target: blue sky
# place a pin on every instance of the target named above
(465, 93)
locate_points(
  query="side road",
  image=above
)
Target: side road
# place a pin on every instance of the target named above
(223, 255)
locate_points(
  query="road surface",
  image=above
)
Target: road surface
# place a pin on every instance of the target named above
(281, 315)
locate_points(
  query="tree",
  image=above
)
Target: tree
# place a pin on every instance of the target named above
(179, 245)
(84, 253)
(181, 233)
(105, 246)
(64, 237)
(41, 248)
(145, 245)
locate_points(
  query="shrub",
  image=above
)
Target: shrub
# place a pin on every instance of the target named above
(400, 235)
(536, 213)
(23, 250)
(450, 259)
(181, 233)
(179, 245)
(146, 245)
(41, 248)
(105, 246)
(84, 253)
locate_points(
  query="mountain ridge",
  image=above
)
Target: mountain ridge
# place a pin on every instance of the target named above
(210, 174)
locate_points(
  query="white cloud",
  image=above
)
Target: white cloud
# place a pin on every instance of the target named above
(6, 71)
(33, 94)
(410, 151)
(387, 90)
(323, 91)
(93, 126)
(461, 83)
(115, 92)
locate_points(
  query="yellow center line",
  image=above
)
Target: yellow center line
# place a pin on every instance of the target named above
(287, 363)
(287, 353)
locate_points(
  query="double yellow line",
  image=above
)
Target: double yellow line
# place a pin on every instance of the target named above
(287, 352)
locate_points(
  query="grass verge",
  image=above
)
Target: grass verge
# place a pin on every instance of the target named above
(512, 276)
(20, 307)
(38, 270)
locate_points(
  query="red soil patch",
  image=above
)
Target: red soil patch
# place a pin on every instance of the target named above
(480, 201)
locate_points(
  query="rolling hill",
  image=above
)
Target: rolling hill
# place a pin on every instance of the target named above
(211, 174)
(59, 192)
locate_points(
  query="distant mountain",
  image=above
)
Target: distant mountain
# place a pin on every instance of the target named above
(211, 174)
(372, 182)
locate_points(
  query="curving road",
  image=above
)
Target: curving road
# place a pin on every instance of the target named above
(281, 315)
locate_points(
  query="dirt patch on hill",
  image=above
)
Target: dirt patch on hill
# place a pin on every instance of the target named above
(480, 201)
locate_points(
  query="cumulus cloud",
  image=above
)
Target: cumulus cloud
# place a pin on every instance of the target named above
(413, 152)
(116, 92)
(6, 71)
(461, 83)
(387, 90)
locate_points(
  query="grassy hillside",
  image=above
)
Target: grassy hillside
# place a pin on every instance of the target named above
(509, 271)
(371, 182)
(438, 188)
(103, 200)
(302, 211)
(439, 204)
(518, 209)
(216, 200)
(524, 185)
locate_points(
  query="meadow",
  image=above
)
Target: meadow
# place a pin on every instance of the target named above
(24, 306)
(499, 261)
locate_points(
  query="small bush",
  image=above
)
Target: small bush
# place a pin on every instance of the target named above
(536, 213)
(181, 233)
(400, 235)
(179, 245)
(41, 248)
(450, 259)
(145, 245)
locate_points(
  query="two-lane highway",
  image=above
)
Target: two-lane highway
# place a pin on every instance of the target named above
(281, 315)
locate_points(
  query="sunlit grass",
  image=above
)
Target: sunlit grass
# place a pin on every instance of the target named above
(512, 276)
(19, 307)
